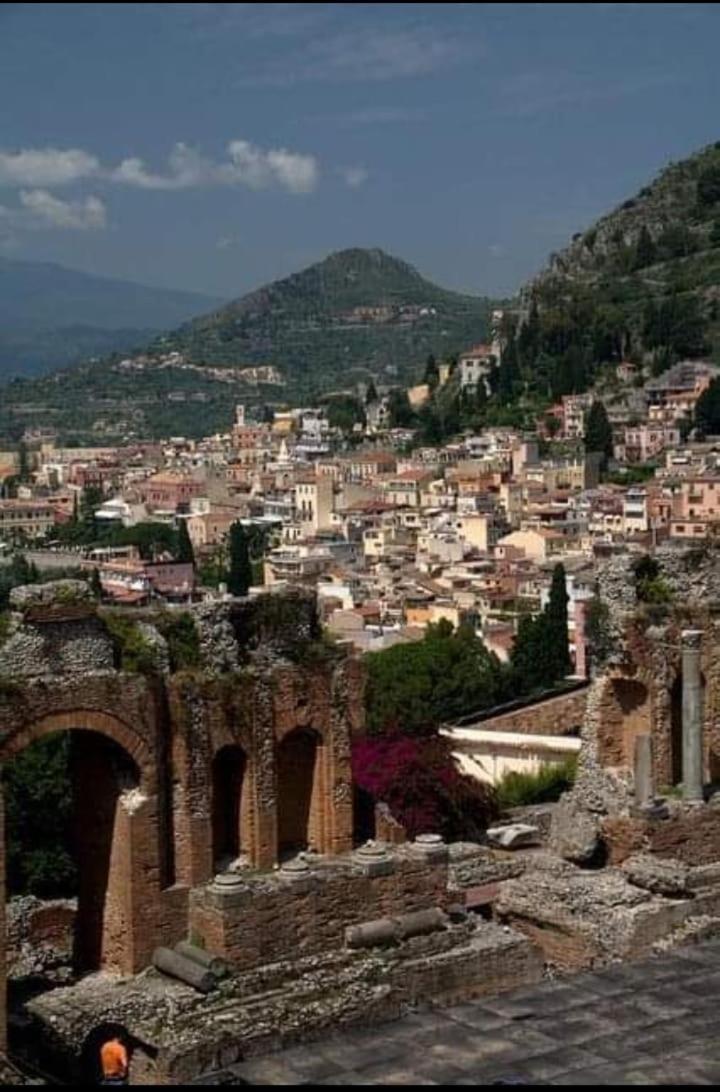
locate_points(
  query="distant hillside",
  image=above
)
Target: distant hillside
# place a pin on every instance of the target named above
(51, 316)
(642, 281)
(357, 311)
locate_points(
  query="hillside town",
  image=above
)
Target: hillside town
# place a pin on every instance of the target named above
(393, 536)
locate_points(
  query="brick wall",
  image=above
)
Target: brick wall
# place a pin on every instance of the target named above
(282, 916)
(553, 717)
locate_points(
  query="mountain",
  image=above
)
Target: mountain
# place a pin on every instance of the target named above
(51, 316)
(644, 280)
(356, 312)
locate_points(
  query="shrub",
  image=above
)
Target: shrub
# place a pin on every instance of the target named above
(518, 790)
(133, 651)
(180, 632)
(421, 784)
(39, 804)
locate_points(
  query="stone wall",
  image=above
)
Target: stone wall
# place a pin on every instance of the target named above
(552, 717)
(264, 681)
(689, 834)
(306, 910)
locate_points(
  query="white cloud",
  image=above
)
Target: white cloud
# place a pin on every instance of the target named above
(40, 210)
(46, 166)
(355, 176)
(247, 165)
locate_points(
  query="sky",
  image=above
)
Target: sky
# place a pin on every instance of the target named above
(216, 147)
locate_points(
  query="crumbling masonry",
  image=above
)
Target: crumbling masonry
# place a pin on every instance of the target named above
(215, 806)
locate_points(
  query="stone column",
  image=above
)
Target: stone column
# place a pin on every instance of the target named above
(643, 771)
(692, 717)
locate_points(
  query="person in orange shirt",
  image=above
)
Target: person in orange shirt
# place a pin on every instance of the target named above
(114, 1062)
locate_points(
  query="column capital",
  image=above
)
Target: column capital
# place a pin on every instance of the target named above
(692, 639)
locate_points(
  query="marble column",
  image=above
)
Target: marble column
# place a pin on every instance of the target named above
(692, 717)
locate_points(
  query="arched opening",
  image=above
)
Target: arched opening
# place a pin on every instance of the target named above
(69, 801)
(297, 819)
(228, 805)
(90, 1066)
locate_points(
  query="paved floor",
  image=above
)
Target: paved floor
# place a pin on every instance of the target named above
(646, 1023)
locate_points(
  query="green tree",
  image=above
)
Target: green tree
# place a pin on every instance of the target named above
(598, 432)
(413, 688)
(432, 374)
(185, 550)
(240, 575)
(95, 584)
(557, 625)
(707, 409)
(39, 809)
(371, 394)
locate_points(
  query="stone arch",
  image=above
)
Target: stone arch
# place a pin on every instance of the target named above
(300, 804)
(86, 720)
(231, 805)
(118, 844)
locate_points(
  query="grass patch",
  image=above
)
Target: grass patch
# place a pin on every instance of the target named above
(517, 790)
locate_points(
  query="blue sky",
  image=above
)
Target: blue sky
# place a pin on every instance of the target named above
(215, 147)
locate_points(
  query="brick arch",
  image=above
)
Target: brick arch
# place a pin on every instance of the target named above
(86, 720)
(282, 731)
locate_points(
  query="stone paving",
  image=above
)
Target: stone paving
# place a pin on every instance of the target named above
(654, 1022)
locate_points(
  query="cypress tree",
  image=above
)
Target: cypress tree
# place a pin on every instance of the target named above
(185, 550)
(240, 576)
(432, 375)
(598, 432)
(556, 630)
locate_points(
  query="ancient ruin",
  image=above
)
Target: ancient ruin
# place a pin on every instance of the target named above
(223, 909)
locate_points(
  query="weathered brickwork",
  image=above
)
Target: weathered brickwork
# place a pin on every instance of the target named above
(554, 717)
(148, 756)
(275, 917)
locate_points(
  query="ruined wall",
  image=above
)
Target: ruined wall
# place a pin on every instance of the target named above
(263, 675)
(553, 717)
(306, 911)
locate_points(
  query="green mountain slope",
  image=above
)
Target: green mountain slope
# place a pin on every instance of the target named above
(642, 282)
(358, 311)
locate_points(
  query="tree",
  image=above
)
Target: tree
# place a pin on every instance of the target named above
(371, 394)
(707, 409)
(420, 783)
(400, 410)
(185, 552)
(413, 688)
(432, 374)
(557, 625)
(240, 575)
(598, 432)
(95, 584)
